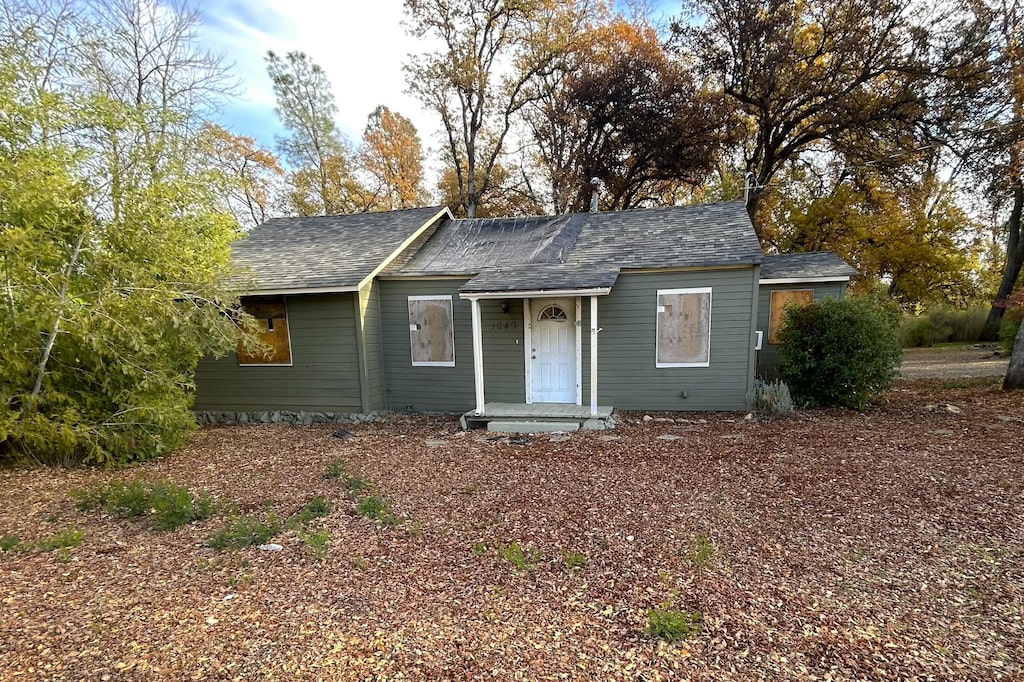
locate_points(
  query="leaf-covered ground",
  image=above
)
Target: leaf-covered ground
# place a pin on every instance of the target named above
(831, 545)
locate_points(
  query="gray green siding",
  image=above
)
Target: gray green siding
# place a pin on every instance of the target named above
(324, 376)
(627, 376)
(450, 389)
(768, 356)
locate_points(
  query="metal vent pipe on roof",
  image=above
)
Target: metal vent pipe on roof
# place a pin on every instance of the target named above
(595, 183)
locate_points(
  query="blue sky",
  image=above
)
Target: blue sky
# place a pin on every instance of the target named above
(360, 45)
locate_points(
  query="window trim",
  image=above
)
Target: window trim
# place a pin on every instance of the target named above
(451, 304)
(657, 328)
(291, 348)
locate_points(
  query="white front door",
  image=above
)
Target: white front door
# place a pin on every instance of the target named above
(553, 352)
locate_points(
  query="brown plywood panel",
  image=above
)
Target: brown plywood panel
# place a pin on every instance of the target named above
(274, 348)
(780, 299)
(431, 331)
(684, 324)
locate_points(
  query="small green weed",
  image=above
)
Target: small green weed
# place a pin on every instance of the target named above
(377, 508)
(574, 559)
(9, 543)
(318, 542)
(174, 506)
(701, 551)
(672, 625)
(335, 469)
(69, 537)
(168, 504)
(480, 548)
(356, 485)
(245, 531)
(316, 508)
(522, 559)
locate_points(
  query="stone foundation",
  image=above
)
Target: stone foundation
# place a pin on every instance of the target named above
(282, 417)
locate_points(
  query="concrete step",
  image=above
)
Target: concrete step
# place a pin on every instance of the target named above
(521, 426)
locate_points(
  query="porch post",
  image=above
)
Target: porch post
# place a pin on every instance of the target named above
(593, 356)
(478, 355)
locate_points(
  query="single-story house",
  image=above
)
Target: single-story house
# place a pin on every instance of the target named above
(571, 316)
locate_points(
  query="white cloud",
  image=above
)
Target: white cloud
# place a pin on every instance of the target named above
(360, 45)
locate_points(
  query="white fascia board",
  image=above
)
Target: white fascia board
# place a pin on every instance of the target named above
(552, 293)
(405, 245)
(803, 280)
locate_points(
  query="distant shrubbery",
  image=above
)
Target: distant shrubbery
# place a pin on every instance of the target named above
(839, 352)
(1008, 329)
(943, 325)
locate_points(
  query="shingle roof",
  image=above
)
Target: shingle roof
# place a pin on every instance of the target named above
(582, 250)
(806, 265)
(324, 251)
(541, 278)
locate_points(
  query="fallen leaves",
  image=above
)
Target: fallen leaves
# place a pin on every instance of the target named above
(832, 545)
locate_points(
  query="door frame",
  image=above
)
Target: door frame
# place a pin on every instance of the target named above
(528, 307)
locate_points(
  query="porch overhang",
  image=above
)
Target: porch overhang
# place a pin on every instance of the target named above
(536, 293)
(549, 280)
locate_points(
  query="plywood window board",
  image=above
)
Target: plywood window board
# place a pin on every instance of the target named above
(431, 331)
(777, 315)
(275, 347)
(684, 328)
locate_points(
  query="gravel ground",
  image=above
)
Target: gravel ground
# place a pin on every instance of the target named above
(834, 545)
(953, 362)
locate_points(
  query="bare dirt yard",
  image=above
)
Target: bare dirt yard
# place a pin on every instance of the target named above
(887, 545)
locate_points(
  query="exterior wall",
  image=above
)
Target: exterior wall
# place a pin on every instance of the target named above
(324, 376)
(768, 356)
(450, 389)
(372, 355)
(627, 376)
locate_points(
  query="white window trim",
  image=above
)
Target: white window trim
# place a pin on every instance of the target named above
(448, 298)
(657, 312)
(291, 348)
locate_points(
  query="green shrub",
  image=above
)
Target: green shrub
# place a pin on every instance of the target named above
(672, 625)
(771, 399)
(942, 325)
(1008, 328)
(245, 531)
(839, 352)
(9, 543)
(167, 504)
(917, 332)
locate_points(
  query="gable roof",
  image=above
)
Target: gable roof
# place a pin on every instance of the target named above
(318, 254)
(585, 250)
(818, 265)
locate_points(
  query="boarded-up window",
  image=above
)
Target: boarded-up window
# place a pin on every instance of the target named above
(275, 346)
(684, 328)
(777, 316)
(431, 331)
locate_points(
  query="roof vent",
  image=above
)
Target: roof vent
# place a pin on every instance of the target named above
(595, 184)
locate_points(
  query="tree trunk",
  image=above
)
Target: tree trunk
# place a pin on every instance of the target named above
(1014, 261)
(1014, 380)
(754, 196)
